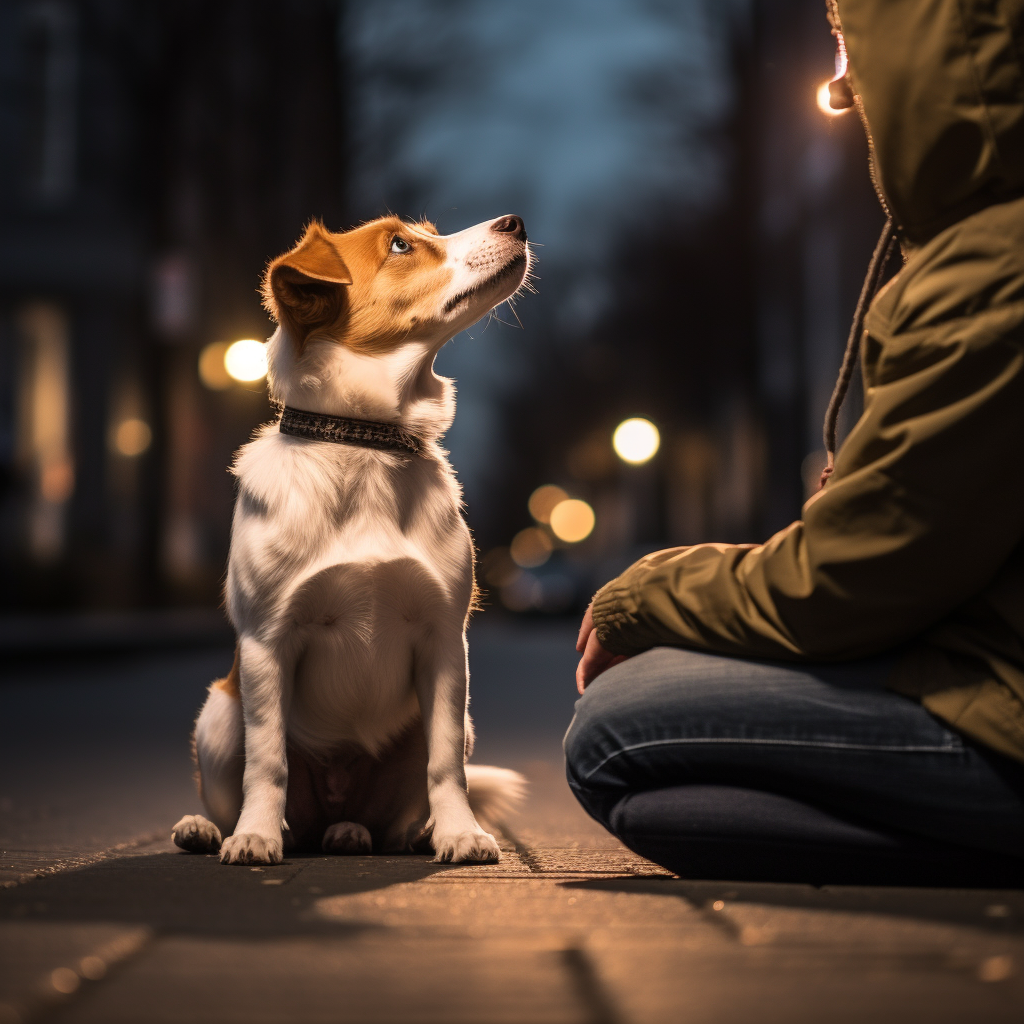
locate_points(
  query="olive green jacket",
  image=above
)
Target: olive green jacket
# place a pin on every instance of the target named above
(916, 543)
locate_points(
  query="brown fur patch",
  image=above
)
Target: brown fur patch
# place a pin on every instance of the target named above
(351, 288)
(229, 684)
(302, 288)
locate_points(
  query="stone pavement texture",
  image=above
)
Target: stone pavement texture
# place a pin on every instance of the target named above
(102, 920)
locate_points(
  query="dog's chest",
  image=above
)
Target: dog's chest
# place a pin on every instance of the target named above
(363, 628)
(363, 587)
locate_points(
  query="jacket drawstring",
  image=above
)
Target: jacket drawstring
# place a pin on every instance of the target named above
(879, 260)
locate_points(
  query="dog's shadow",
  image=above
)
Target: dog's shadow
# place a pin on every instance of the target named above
(175, 893)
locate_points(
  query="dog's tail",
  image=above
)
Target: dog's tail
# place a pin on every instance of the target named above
(494, 792)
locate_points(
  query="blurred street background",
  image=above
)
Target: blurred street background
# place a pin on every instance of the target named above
(702, 226)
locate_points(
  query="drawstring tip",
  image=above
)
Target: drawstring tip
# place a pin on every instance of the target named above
(827, 471)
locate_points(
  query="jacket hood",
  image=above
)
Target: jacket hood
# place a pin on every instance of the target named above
(941, 89)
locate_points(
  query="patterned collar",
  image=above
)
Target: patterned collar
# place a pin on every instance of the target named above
(318, 426)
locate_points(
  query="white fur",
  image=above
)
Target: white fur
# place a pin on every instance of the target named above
(494, 792)
(349, 584)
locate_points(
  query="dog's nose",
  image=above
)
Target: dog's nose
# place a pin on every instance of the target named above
(511, 225)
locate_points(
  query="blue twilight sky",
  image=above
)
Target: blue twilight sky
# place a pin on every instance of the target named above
(585, 117)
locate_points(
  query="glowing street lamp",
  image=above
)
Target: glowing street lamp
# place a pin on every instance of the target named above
(572, 520)
(246, 360)
(636, 440)
(222, 364)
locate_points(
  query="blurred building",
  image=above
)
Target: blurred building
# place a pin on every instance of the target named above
(152, 159)
(702, 229)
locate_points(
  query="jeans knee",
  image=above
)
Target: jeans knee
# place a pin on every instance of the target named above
(578, 746)
(572, 745)
(592, 736)
(597, 737)
(578, 743)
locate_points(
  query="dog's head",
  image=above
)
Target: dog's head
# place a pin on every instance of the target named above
(389, 282)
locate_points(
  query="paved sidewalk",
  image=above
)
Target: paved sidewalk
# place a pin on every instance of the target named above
(569, 927)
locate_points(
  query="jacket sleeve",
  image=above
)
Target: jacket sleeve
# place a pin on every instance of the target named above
(926, 502)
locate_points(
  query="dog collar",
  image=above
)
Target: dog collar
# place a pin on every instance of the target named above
(319, 426)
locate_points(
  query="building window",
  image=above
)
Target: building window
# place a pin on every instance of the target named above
(42, 438)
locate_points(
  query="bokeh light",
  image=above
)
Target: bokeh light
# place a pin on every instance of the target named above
(530, 547)
(636, 440)
(57, 481)
(572, 520)
(131, 437)
(543, 500)
(65, 980)
(497, 567)
(212, 371)
(824, 105)
(246, 360)
(92, 967)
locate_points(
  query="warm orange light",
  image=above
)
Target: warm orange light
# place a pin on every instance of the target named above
(57, 481)
(543, 500)
(823, 97)
(572, 520)
(530, 547)
(636, 440)
(212, 371)
(132, 437)
(246, 360)
(64, 980)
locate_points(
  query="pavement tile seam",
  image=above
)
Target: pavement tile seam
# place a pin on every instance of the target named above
(19, 867)
(523, 852)
(590, 986)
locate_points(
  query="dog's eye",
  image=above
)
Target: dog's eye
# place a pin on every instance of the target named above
(400, 245)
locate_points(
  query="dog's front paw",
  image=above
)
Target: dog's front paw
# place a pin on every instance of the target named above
(196, 835)
(478, 846)
(250, 848)
(347, 837)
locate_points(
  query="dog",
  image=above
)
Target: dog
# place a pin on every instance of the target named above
(343, 724)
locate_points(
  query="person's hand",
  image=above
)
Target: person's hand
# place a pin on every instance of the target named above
(595, 658)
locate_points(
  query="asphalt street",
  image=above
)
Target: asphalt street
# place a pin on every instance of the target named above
(101, 919)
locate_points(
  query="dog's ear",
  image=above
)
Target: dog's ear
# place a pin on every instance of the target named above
(303, 289)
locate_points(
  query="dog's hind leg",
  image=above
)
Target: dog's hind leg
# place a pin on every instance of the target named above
(220, 761)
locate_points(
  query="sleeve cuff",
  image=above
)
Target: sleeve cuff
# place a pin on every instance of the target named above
(614, 613)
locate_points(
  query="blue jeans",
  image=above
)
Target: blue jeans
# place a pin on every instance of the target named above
(722, 767)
